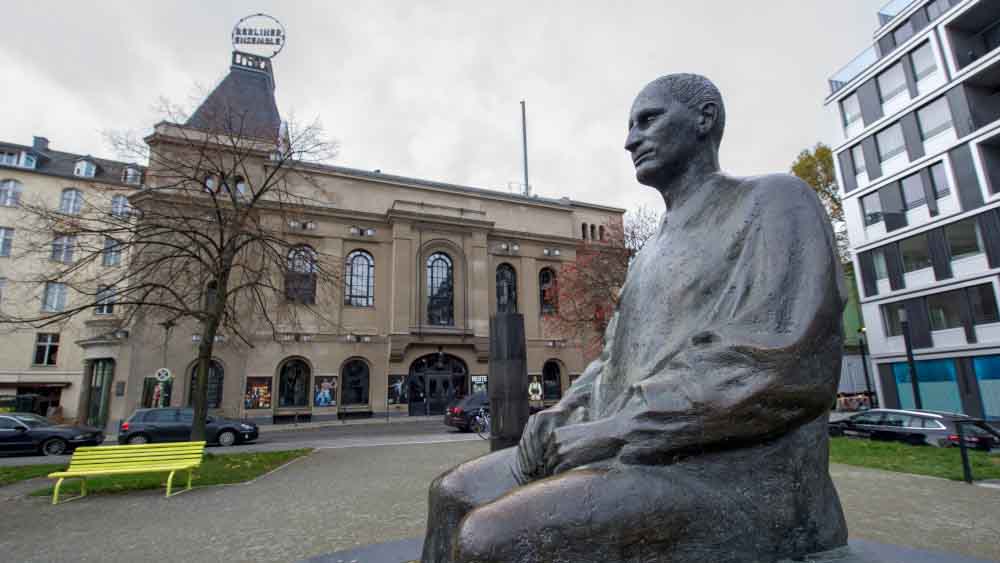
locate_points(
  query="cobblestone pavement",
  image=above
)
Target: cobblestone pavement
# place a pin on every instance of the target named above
(337, 499)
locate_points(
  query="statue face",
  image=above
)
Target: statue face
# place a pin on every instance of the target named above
(663, 135)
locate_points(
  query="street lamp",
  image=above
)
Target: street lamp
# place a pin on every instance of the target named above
(872, 398)
(911, 365)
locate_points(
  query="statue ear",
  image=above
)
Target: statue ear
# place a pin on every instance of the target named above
(708, 114)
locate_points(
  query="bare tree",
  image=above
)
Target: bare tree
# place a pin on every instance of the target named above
(217, 236)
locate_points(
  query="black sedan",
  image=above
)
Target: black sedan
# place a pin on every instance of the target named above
(28, 432)
(460, 413)
(916, 427)
(174, 425)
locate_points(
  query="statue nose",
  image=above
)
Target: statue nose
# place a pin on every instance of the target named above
(632, 141)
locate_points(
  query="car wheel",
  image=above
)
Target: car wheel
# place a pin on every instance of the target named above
(54, 446)
(227, 438)
(138, 440)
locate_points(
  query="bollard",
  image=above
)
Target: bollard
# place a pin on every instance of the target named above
(508, 380)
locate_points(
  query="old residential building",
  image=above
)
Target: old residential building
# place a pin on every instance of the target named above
(426, 264)
(919, 169)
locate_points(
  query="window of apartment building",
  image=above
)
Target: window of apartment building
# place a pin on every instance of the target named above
(903, 32)
(945, 309)
(131, 175)
(85, 168)
(871, 209)
(71, 201)
(891, 83)
(360, 274)
(112, 254)
(300, 279)
(923, 62)
(890, 142)
(851, 110)
(934, 118)
(6, 240)
(964, 239)
(28, 160)
(547, 289)
(8, 158)
(936, 8)
(858, 158)
(440, 290)
(54, 298)
(46, 349)
(891, 318)
(105, 300)
(939, 179)
(915, 253)
(10, 193)
(62, 249)
(506, 280)
(913, 192)
(881, 269)
(119, 206)
(984, 304)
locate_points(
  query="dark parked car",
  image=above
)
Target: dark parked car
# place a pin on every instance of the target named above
(28, 432)
(459, 414)
(174, 425)
(916, 427)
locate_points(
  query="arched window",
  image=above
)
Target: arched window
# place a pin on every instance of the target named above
(593, 233)
(583, 231)
(440, 290)
(548, 292)
(10, 193)
(71, 201)
(119, 206)
(300, 279)
(360, 279)
(506, 289)
(213, 397)
(600, 233)
(238, 184)
(355, 378)
(211, 184)
(211, 288)
(551, 381)
(293, 384)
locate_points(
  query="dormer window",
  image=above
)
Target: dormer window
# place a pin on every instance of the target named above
(28, 160)
(131, 175)
(8, 158)
(85, 168)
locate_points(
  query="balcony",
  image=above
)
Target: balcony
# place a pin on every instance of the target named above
(975, 33)
(864, 60)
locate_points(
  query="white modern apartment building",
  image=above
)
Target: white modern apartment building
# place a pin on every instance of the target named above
(919, 170)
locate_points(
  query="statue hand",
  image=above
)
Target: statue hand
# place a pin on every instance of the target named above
(537, 433)
(579, 444)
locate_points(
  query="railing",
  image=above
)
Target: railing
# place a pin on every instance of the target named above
(891, 10)
(864, 60)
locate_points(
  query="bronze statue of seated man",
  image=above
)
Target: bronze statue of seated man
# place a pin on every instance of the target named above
(699, 435)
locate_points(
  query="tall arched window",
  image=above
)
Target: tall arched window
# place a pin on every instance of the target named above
(506, 289)
(355, 378)
(300, 279)
(215, 378)
(440, 290)
(600, 233)
(583, 231)
(593, 232)
(360, 279)
(293, 384)
(548, 292)
(10, 193)
(551, 381)
(211, 294)
(71, 201)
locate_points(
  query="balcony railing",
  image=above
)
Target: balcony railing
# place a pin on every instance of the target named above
(864, 60)
(891, 10)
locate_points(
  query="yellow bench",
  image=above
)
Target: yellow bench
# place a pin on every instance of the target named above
(124, 460)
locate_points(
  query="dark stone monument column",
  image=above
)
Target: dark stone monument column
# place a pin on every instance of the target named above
(508, 380)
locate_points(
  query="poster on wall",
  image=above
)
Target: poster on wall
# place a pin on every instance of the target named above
(325, 394)
(397, 390)
(258, 394)
(479, 384)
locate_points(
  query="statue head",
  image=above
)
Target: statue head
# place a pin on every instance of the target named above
(675, 120)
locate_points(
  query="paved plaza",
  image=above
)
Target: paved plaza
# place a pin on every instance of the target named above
(343, 497)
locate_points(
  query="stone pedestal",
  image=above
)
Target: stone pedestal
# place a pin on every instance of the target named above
(508, 380)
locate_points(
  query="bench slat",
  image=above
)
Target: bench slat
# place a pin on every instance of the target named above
(123, 471)
(140, 446)
(100, 466)
(138, 455)
(114, 450)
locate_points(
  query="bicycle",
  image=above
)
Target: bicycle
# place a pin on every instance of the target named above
(481, 423)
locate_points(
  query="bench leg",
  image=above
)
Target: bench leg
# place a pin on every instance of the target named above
(170, 482)
(55, 493)
(83, 489)
(190, 471)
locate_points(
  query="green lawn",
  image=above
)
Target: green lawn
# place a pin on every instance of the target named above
(922, 460)
(10, 475)
(214, 470)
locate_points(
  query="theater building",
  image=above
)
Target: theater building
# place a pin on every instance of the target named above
(919, 171)
(426, 264)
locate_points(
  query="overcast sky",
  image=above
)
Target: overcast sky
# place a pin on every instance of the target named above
(432, 88)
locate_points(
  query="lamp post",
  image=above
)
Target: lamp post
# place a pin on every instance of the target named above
(863, 344)
(911, 365)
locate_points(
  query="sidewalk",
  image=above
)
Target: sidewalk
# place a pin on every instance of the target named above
(347, 422)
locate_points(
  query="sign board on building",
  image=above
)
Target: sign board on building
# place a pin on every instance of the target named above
(260, 35)
(163, 374)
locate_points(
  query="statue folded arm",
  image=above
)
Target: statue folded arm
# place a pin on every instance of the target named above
(759, 364)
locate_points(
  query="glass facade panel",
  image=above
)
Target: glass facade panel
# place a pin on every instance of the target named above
(940, 180)
(440, 290)
(871, 209)
(881, 270)
(890, 317)
(916, 255)
(936, 8)
(902, 33)
(987, 370)
(963, 239)
(851, 109)
(913, 192)
(937, 381)
(858, 158)
(360, 279)
(890, 142)
(945, 309)
(923, 61)
(892, 82)
(984, 304)
(934, 118)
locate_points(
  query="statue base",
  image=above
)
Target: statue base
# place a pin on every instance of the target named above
(857, 551)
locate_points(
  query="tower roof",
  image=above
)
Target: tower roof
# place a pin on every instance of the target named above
(243, 103)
